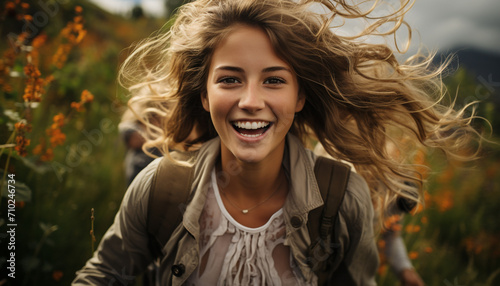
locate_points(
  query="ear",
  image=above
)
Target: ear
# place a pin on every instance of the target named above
(204, 101)
(301, 101)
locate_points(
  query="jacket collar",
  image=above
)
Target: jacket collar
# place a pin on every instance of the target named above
(304, 194)
(204, 163)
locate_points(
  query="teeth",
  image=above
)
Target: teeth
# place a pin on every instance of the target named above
(251, 125)
(251, 135)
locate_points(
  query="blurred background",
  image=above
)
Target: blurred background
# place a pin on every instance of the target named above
(60, 107)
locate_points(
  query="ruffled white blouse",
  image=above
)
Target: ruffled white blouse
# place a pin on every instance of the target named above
(233, 254)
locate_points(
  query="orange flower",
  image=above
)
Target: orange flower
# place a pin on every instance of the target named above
(21, 38)
(392, 223)
(59, 119)
(38, 41)
(397, 227)
(6, 64)
(78, 9)
(34, 90)
(447, 175)
(20, 204)
(418, 209)
(381, 244)
(424, 220)
(31, 71)
(38, 149)
(56, 137)
(9, 57)
(22, 127)
(21, 144)
(54, 132)
(10, 6)
(34, 84)
(428, 249)
(73, 34)
(48, 156)
(77, 106)
(25, 6)
(82, 33)
(382, 270)
(483, 242)
(412, 228)
(78, 23)
(419, 157)
(21, 141)
(474, 245)
(86, 96)
(444, 201)
(427, 198)
(6, 87)
(61, 55)
(48, 80)
(413, 255)
(41, 150)
(57, 275)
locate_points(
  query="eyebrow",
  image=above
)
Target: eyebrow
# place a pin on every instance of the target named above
(277, 68)
(268, 69)
(230, 68)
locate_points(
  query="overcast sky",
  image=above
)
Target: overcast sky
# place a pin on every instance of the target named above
(437, 24)
(449, 23)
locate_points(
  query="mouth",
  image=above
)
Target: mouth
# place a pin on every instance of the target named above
(251, 129)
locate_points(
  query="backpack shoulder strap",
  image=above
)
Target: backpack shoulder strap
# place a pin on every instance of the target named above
(332, 177)
(170, 191)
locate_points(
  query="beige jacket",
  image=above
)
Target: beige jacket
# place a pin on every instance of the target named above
(123, 252)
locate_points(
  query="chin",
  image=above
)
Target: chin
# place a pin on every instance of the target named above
(249, 156)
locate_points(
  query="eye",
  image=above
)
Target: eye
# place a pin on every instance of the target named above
(274, 81)
(228, 80)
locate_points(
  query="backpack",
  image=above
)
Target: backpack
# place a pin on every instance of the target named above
(171, 192)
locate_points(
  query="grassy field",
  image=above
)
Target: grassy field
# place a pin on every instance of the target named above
(455, 239)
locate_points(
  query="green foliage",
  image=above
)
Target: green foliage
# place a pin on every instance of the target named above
(467, 88)
(54, 197)
(459, 238)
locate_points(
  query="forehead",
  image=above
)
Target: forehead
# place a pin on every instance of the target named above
(246, 45)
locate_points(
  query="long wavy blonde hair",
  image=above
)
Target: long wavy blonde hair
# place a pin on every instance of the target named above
(358, 96)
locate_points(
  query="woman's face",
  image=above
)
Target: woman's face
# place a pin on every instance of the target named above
(252, 96)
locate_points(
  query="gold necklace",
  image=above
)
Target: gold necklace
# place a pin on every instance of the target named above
(245, 211)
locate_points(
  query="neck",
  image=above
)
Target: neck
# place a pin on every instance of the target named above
(253, 181)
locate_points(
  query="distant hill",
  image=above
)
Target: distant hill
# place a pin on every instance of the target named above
(475, 75)
(477, 62)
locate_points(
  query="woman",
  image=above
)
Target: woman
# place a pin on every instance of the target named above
(246, 83)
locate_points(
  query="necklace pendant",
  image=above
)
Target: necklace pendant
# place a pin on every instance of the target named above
(244, 211)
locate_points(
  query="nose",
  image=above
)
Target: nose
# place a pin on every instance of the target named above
(251, 99)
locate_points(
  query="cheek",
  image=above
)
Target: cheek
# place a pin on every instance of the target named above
(287, 104)
(219, 107)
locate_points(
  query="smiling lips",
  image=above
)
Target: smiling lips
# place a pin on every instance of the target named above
(251, 129)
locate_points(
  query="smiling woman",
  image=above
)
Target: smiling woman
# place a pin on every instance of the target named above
(249, 85)
(242, 86)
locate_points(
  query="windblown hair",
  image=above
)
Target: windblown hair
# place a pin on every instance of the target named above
(359, 98)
